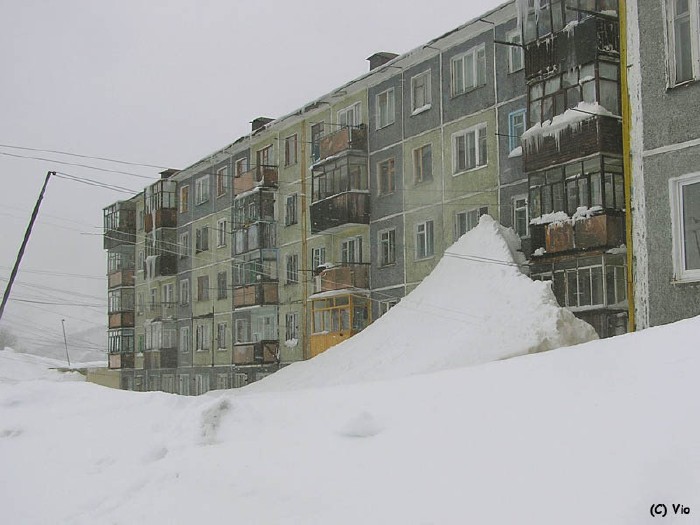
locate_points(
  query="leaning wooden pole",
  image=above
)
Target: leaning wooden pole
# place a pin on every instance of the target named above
(27, 233)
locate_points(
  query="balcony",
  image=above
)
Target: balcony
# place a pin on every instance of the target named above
(598, 231)
(120, 278)
(121, 360)
(260, 352)
(264, 176)
(351, 207)
(163, 358)
(163, 217)
(569, 48)
(119, 225)
(161, 310)
(345, 139)
(259, 235)
(579, 138)
(345, 276)
(121, 319)
(159, 265)
(255, 294)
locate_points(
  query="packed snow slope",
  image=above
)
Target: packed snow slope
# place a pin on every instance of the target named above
(590, 434)
(476, 306)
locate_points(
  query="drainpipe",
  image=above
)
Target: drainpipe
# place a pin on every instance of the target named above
(626, 160)
(305, 349)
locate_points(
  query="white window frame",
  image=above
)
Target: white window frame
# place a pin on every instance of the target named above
(457, 89)
(184, 245)
(185, 292)
(386, 240)
(385, 306)
(694, 21)
(221, 233)
(202, 337)
(318, 257)
(426, 230)
(516, 38)
(427, 102)
(185, 339)
(475, 130)
(291, 326)
(676, 187)
(524, 198)
(168, 295)
(471, 219)
(386, 108)
(292, 268)
(345, 250)
(355, 111)
(201, 190)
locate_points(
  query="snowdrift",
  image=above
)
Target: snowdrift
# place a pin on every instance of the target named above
(476, 306)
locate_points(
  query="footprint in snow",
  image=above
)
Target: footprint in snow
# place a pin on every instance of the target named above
(362, 425)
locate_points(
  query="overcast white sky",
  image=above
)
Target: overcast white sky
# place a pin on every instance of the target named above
(163, 83)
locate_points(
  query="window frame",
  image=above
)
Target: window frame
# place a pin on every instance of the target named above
(356, 109)
(476, 130)
(415, 108)
(240, 166)
(292, 269)
(419, 169)
(388, 186)
(291, 206)
(221, 233)
(184, 204)
(345, 252)
(184, 297)
(386, 241)
(513, 137)
(202, 190)
(463, 87)
(291, 145)
(672, 44)
(425, 249)
(291, 326)
(385, 112)
(515, 37)
(514, 200)
(222, 181)
(203, 287)
(679, 242)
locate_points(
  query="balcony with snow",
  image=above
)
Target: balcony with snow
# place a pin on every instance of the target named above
(580, 131)
(559, 37)
(337, 315)
(342, 276)
(347, 138)
(262, 176)
(120, 225)
(340, 193)
(256, 339)
(160, 344)
(255, 280)
(120, 348)
(160, 205)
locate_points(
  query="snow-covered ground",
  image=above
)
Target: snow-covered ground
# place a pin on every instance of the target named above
(590, 434)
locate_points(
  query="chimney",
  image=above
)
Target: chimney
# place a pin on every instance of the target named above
(168, 173)
(260, 122)
(380, 58)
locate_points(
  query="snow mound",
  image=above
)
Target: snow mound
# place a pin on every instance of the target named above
(475, 307)
(17, 366)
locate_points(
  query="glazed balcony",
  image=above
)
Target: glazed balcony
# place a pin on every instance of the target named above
(162, 358)
(344, 139)
(121, 319)
(255, 294)
(260, 352)
(159, 265)
(569, 48)
(259, 235)
(161, 218)
(121, 360)
(119, 225)
(351, 207)
(120, 278)
(599, 231)
(585, 136)
(344, 276)
(161, 310)
(259, 176)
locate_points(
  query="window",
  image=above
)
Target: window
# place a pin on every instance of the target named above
(318, 257)
(466, 220)
(264, 156)
(185, 339)
(316, 133)
(265, 328)
(243, 331)
(221, 285)
(520, 216)
(203, 288)
(387, 247)
(469, 70)
(351, 250)
(350, 116)
(184, 199)
(141, 261)
(423, 164)
(201, 190)
(593, 281)
(469, 149)
(185, 248)
(202, 337)
(290, 150)
(290, 208)
(516, 128)
(420, 92)
(168, 295)
(385, 306)
(221, 336)
(185, 292)
(386, 174)
(222, 181)
(201, 243)
(386, 113)
(425, 245)
(683, 40)
(685, 217)
(515, 52)
(292, 269)
(291, 324)
(241, 167)
(221, 233)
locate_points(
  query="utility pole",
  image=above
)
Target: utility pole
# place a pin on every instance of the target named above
(27, 233)
(65, 341)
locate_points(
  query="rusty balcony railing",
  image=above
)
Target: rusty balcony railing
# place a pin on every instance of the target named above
(343, 139)
(265, 176)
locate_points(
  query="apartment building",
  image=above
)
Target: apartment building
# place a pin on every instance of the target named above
(664, 69)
